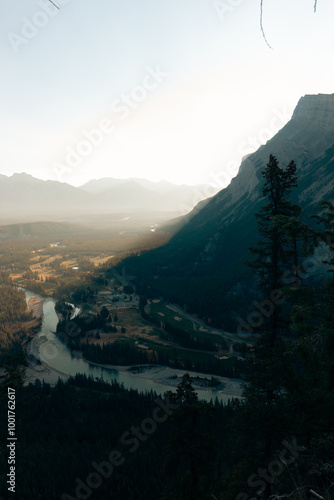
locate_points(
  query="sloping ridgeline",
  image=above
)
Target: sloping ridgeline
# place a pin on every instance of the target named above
(202, 266)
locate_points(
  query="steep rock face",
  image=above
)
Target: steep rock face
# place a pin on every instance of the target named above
(215, 242)
(316, 109)
(303, 139)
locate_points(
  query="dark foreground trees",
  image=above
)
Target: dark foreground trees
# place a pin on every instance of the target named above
(66, 435)
(289, 400)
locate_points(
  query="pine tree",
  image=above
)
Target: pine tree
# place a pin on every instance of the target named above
(189, 453)
(271, 259)
(264, 408)
(15, 364)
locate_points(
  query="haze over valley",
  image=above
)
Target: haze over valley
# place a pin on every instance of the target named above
(25, 198)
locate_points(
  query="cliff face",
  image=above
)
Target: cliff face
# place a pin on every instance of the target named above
(215, 241)
(311, 126)
(316, 109)
(306, 137)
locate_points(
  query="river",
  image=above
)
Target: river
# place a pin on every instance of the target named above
(54, 353)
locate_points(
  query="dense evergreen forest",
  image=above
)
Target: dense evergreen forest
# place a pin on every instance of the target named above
(122, 353)
(13, 311)
(13, 305)
(69, 431)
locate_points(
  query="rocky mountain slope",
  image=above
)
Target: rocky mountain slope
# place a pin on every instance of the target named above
(202, 266)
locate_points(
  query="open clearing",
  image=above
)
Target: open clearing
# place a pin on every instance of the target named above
(100, 260)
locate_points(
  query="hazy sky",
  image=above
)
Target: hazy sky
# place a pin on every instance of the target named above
(163, 89)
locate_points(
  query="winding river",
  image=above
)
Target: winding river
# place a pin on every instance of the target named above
(54, 353)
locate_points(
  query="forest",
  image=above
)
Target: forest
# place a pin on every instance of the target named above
(97, 418)
(13, 311)
(123, 353)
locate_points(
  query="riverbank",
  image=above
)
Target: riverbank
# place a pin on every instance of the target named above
(171, 377)
(32, 326)
(50, 359)
(167, 378)
(36, 368)
(43, 372)
(35, 305)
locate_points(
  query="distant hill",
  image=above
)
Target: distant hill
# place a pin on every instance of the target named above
(203, 264)
(25, 198)
(34, 229)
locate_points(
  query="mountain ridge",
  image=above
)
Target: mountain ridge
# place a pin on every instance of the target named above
(25, 198)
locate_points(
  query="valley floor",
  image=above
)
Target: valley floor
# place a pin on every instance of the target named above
(157, 374)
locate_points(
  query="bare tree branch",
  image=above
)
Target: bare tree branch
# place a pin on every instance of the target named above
(261, 24)
(54, 4)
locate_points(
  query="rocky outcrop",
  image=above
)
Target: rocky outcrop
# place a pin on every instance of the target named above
(317, 109)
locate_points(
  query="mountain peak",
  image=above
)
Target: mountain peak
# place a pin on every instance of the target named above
(318, 108)
(21, 175)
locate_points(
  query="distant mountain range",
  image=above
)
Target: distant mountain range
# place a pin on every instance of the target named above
(25, 198)
(144, 195)
(202, 265)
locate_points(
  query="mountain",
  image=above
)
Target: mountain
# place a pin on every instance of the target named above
(25, 198)
(98, 186)
(131, 194)
(202, 267)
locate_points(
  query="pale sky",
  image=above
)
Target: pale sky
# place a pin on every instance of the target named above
(177, 90)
